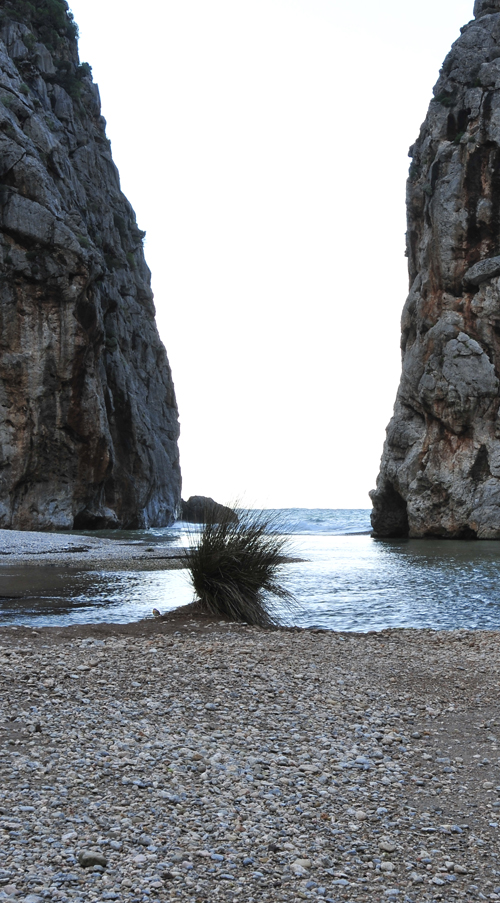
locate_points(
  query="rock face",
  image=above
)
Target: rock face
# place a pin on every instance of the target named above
(199, 507)
(440, 469)
(88, 417)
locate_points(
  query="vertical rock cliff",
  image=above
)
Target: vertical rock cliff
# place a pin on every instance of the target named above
(440, 469)
(88, 417)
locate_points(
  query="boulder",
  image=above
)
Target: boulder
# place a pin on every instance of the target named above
(198, 509)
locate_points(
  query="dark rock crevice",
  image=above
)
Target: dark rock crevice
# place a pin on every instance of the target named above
(480, 470)
(390, 514)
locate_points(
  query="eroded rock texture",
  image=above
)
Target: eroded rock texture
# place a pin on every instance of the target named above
(88, 417)
(440, 470)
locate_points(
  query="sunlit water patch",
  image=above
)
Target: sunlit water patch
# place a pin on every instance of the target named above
(50, 596)
(347, 581)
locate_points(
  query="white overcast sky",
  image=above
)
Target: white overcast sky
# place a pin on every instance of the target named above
(263, 145)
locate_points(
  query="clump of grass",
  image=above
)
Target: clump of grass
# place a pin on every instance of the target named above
(237, 567)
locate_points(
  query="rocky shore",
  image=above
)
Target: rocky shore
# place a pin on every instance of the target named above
(36, 548)
(186, 759)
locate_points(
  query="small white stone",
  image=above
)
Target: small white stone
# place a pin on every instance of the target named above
(71, 835)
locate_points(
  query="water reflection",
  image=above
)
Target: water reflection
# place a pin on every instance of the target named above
(50, 596)
(349, 582)
(357, 583)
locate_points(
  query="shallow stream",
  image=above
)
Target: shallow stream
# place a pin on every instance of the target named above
(348, 581)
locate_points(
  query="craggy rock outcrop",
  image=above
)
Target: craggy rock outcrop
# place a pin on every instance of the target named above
(88, 417)
(199, 508)
(440, 470)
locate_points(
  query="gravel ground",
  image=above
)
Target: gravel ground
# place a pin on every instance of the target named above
(35, 548)
(181, 759)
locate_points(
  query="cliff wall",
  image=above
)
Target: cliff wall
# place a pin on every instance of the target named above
(440, 469)
(88, 417)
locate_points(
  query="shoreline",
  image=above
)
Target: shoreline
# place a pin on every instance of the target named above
(185, 617)
(33, 548)
(204, 760)
(69, 549)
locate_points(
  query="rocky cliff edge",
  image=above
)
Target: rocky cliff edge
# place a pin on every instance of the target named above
(440, 469)
(88, 417)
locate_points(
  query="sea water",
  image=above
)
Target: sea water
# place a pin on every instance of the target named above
(345, 580)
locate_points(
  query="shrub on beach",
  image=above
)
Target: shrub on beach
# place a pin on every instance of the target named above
(236, 566)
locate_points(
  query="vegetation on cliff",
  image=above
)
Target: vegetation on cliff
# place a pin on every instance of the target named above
(51, 19)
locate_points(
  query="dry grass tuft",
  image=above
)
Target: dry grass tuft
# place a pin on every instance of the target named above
(236, 567)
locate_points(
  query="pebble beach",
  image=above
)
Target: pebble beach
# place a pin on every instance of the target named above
(32, 548)
(182, 758)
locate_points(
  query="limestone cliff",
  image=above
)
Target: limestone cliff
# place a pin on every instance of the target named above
(440, 469)
(88, 417)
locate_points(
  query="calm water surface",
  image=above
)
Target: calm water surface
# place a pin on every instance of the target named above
(348, 582)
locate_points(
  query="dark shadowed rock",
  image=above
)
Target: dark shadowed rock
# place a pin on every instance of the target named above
(89, 858)
(440, 469)
(486, 7)
(88, 417)
(198, 508)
